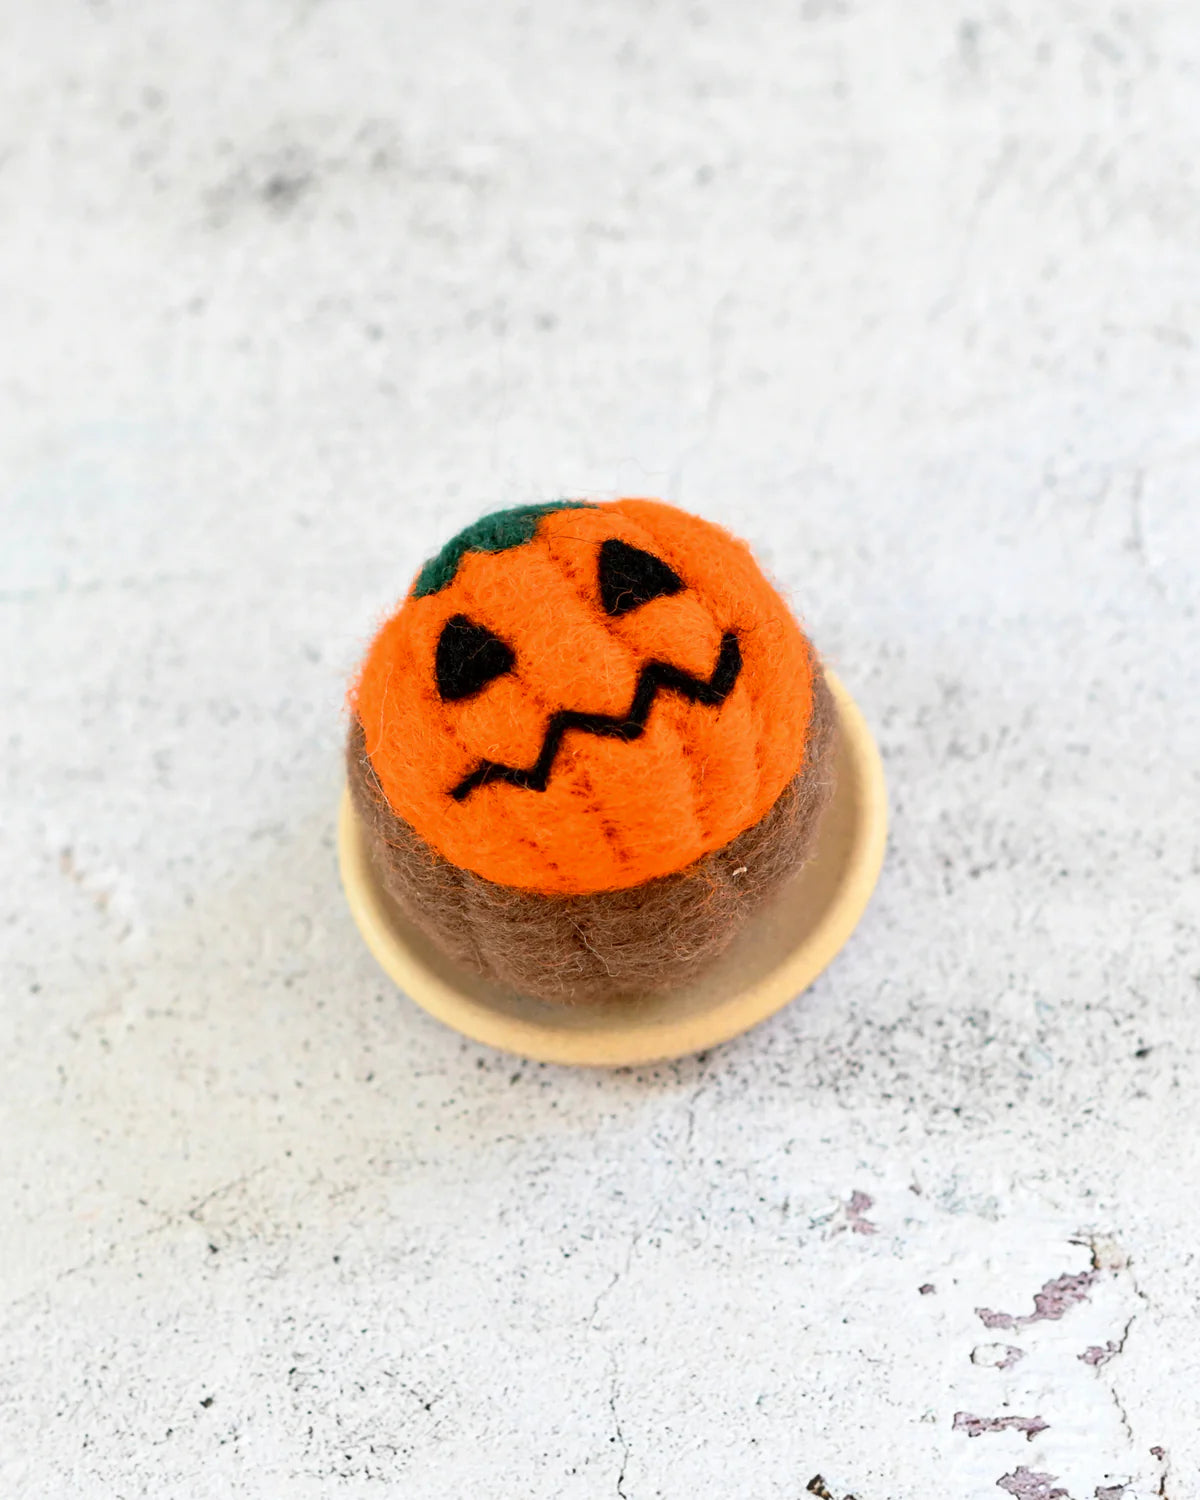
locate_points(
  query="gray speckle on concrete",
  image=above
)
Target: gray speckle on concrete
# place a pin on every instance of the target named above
(908, 297)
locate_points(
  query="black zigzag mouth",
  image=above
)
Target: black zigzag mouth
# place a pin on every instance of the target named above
(655, 677)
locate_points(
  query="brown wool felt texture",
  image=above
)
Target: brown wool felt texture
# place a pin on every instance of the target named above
(601, 945)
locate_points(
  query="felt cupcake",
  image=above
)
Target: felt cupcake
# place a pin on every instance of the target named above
(589, 744)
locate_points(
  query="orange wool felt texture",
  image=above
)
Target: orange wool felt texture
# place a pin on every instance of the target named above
(583, 710)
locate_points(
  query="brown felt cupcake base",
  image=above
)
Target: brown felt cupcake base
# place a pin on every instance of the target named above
(580, 949)
(777, 952)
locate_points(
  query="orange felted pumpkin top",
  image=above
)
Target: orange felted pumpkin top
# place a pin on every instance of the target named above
(579, 698)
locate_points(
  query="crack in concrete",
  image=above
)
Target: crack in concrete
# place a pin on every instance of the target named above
(1161, 1455)
(702, 1082)
(620, 1438)
(195, 1211)
(605, 1292)
(1108, 1256)
(167, 1218)
(1122, 1414)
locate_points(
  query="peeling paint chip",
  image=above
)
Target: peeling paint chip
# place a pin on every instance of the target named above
(977, 1426)
(997, 1356)
(1024, 1484)
(1095, 1354)
(1056, 1298)
(856, 1209)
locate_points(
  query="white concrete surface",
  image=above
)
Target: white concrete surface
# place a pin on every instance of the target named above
(908, 294)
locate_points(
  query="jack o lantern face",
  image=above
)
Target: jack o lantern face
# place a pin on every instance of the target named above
(581, 697)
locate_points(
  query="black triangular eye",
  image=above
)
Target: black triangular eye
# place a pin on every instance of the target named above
(630, 577)
(468, 657)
